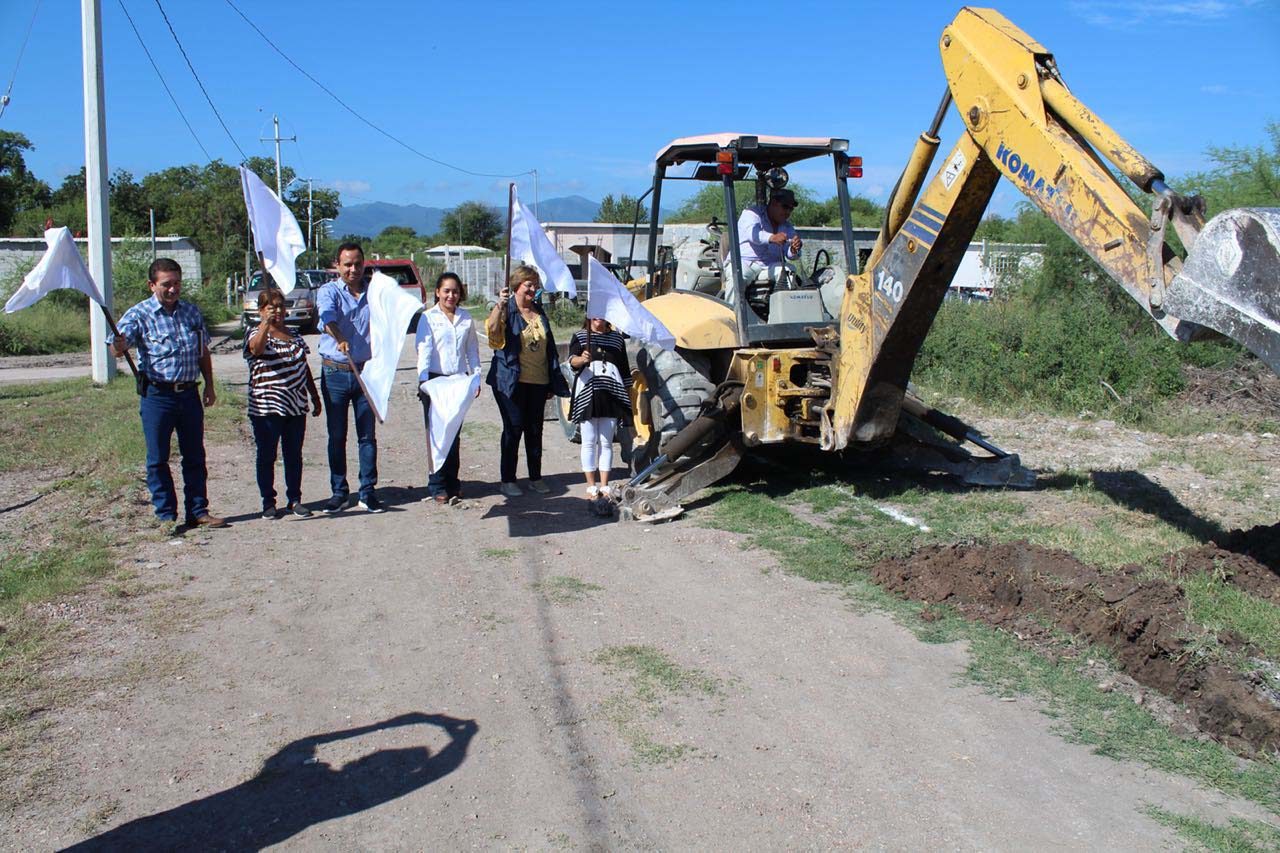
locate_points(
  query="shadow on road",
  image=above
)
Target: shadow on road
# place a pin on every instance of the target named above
(562, 511)
(293, 791)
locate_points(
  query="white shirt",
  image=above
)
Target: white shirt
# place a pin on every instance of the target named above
(446, 347)
(754, 230)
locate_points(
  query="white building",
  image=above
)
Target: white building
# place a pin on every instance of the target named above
(20, 254)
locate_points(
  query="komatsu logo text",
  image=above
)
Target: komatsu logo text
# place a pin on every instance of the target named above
(1024, 172)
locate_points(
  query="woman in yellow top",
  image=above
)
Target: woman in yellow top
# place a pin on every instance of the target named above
(524, 374)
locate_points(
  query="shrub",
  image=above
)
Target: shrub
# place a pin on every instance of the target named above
(1056, 351)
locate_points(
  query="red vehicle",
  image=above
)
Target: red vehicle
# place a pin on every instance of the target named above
(404, 271)
(406, 274)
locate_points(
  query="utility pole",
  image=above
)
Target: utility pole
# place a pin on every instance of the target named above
(310, 220)
(536, 214)
(277, 139)
(153, 233)
(96, 189)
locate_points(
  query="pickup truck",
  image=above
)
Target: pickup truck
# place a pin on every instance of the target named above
(300, 304)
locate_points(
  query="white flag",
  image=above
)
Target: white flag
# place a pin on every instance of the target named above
(529, 243)
(608, 299)
(451, 397)
(61, 268)
(391, 309)
(275, 231)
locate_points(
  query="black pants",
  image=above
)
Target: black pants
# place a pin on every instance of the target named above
(445, 481)
(522, 415)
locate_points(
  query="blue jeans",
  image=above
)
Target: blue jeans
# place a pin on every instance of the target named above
(162, 413)
(285, 432)
(341, 391)
(445, 481)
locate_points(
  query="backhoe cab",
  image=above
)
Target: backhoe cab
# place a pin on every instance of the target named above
(758, 311)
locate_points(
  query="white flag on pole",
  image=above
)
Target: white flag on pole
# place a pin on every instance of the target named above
(529, 243)
(276, 233)
(61, 268)
(391, 309)
(451, 397)
(608, 299)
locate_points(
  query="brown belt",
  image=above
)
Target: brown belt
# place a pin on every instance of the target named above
(336, 365)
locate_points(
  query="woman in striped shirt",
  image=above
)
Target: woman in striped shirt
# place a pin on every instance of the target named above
(279, 382)
(600, 397)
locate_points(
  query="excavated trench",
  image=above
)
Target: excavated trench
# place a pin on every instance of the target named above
(1142, 619)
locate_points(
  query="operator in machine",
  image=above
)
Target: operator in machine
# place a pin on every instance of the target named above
(768, 240)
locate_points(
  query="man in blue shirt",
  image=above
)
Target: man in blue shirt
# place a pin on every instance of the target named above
(768, 239)
(344, 348)
(173, 353)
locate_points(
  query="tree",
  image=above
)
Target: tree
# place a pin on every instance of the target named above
(1244, 177)
(623, 209)
(473, 223)
(809, 212)
(708, 203)
(397, 241)
(19, 189)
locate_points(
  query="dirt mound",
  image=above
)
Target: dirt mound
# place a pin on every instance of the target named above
(1248, 388)
(1025, 587)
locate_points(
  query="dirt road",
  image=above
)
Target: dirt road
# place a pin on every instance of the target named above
(518, 674)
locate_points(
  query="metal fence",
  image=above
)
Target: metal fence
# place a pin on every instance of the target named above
(482, 276)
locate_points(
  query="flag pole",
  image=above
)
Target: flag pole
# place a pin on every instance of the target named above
(111, 324)
(511, 206)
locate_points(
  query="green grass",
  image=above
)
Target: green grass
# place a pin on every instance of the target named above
(651, 677)
(1238, 836)
(562, 589)
(653, 673)
(1219, 606)
(498, 553)
(90, 435)
(1101, 534)
(1108, 722)
(94, 430)
(42, 329)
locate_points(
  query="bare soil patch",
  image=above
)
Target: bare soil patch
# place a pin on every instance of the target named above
(1249, 388)
(1038, 591)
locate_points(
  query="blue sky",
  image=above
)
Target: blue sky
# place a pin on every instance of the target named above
(588, 92)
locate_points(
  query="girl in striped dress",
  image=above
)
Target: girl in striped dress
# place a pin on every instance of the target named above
(599, 397)
(279, 382)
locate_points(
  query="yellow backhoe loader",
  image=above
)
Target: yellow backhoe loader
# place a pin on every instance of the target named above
(797, 358)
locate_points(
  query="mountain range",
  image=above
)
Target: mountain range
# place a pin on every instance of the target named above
(370, 218)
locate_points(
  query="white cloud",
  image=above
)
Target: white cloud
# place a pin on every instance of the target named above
(1129, 13)
(355, 187)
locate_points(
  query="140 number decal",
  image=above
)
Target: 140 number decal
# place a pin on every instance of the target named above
(889, 286)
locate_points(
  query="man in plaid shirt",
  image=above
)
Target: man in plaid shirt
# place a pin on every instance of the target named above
(173, 353)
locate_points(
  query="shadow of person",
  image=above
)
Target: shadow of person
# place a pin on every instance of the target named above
(1136, 491)
(293, 791)
(564, 510)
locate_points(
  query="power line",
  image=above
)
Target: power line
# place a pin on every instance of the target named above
(351, 110)
(4, 99)
(143, 45)
(183, 51)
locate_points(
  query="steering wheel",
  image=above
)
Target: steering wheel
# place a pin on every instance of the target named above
(821, 263)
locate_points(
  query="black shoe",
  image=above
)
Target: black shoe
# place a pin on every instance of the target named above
(299, 509)
(270, 513)
(335, 504)
(370, 503)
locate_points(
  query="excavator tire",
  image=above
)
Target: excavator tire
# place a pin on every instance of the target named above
(679, 384)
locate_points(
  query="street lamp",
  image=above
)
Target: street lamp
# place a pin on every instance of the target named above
(320, 232)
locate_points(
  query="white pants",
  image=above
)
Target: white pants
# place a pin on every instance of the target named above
(597, 443)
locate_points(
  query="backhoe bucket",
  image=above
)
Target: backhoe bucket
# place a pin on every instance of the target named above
(1231, 280)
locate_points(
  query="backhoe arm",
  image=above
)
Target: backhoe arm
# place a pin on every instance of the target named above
(1022, 122)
